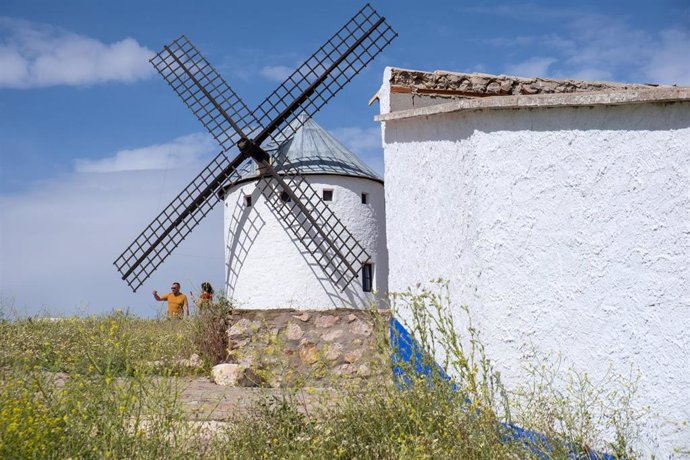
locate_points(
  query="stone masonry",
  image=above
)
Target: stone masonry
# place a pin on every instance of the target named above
(463, 85)
(284, 348)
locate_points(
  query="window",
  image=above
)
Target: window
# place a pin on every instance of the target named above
(284, 197)
(248, 201)
(327, 195)
(365, 198)
(367, 278)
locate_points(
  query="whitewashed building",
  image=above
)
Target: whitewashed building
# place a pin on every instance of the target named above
(267, 267)
(559, 211)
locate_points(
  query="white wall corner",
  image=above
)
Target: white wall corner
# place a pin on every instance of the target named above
(384, 93)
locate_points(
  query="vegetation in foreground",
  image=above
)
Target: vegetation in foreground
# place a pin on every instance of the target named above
(106, 387)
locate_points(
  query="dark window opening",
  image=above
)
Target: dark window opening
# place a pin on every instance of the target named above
(248, 201)
(365, 198)
(367, 280)
(284, 197)
(327, 195)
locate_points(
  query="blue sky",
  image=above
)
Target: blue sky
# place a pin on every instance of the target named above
(93, 143)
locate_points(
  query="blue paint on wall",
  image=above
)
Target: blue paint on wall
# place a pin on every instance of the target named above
(407, 355)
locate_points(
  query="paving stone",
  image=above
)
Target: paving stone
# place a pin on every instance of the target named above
(234, 344)
(344, 369)
(305, 339)
(235, 375)
(227, 374)
(239, 328)
(364, 371)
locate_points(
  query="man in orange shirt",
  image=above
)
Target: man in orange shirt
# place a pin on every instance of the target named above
(177, 302)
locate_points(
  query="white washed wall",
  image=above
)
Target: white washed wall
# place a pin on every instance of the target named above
(265, 268)
(566, 230)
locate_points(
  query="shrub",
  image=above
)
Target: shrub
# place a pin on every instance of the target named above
(209, 334)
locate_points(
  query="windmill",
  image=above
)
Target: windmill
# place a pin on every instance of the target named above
(310, 220)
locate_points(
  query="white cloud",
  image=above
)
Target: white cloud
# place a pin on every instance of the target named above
(250, 63)
(181, 152)
(59, 240)
(670, 63)
(593, 46)
(521, 40)
(358, 139)
(38, 55)
(605, 48)
(276, 72)
(532, 67)
(364, 142)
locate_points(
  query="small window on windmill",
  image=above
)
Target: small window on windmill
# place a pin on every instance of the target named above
(367, 277)
(247, 201)
(365, 198)
(327, 195)
(284, 197)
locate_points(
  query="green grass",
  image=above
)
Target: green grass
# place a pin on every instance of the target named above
(106, 387)
(115, 345)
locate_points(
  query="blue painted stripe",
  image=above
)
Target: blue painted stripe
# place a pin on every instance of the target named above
(406, 354)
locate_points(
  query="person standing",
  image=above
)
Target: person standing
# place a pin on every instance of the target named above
(177, 302)
(205, 297)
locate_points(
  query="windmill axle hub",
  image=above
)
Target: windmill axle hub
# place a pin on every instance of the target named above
(250, 148)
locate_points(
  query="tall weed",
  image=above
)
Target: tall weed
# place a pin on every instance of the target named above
(210, 331)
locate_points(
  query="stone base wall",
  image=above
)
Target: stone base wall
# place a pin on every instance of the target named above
(281, 348)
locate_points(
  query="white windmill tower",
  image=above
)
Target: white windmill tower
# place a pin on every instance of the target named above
(261, 244)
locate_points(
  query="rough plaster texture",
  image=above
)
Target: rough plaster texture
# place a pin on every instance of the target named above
(566, 230)
(267, 268)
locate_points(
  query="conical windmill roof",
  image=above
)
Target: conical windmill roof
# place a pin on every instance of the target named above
(312, 150)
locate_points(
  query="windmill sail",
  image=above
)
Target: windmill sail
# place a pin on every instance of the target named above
(205, 92)
(323, 75)
(227, 118)
(337, 254)
(176, 221)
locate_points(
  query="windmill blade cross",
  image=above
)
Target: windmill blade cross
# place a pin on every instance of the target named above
(229, 120)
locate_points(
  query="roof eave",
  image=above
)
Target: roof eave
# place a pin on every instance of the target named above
(598, 98)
